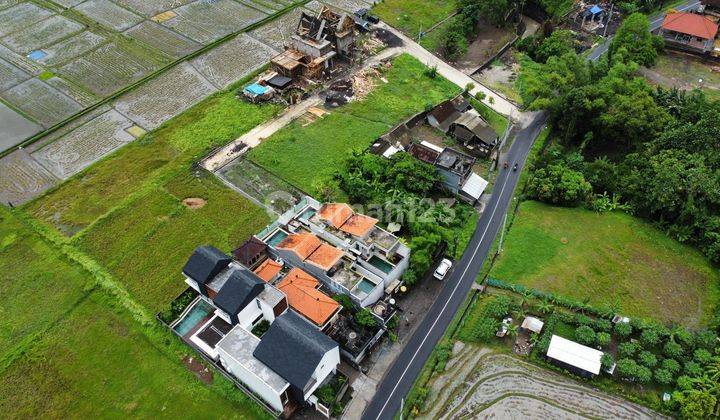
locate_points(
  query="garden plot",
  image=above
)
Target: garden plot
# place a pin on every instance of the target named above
(45, 104)
(76, 93)
(162, 98)
(14, 128)
(233, 60)
(478, 382)
(21, 16)
(162, 38)
(111, 67)
(71, 48)
(277, 32)
(151, 8)
(205, 21)
(4, 4)
(260, 185)
(41, 34)
(10, 75)
(19, 61)
(76, 150)
(22, 178)
(109, 14)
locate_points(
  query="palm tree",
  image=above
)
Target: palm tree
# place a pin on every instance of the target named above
(526, 296)
(512, 330)
(545, 307)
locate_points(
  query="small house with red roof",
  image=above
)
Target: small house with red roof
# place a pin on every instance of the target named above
(689, 31)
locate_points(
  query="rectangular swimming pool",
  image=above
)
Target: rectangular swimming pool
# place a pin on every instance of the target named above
(193, 318)
(366, 286)
(277, 237)
(381, 264)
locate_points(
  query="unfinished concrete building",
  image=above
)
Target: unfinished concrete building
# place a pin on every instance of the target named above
(317, 40)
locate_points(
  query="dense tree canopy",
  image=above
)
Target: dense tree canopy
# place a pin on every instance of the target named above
(634, 41)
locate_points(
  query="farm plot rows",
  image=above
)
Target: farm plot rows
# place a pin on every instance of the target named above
(206, 22)
(109, 14)
(233, 60)
(277, 33)
(480, 383)
(21, 16)
(349, 5)
(112, 65)
(10, 75)
(41, 101)
(151, 8)
(23, 178)
(42, 34)
(165, 96)
(162, 38)
(85, 145)
(71, 48)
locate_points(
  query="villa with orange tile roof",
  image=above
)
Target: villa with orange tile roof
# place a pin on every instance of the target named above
(346, 251)
(304, 297)
(268, 270)
(689, 31)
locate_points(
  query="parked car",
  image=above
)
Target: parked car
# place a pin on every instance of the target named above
(365, 14)
(442, 269)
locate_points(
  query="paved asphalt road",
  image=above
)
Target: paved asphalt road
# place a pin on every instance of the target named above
(655, 23)
(401, 376)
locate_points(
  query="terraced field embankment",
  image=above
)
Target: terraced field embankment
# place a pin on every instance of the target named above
(480, 383)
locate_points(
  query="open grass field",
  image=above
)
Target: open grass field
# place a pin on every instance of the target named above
(413, 16)
(148, 162)
(608, 259)
(127, 212)
(97, 363)
(38, 285)
(685, 71)
(145, 243)
(306, 156)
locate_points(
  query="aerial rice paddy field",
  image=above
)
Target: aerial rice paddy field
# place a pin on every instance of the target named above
(95, 48)
(161, 98)
(610, 259)
(351, 127)
(233, 60)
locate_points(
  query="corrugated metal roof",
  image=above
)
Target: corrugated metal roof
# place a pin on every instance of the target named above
(575, 354)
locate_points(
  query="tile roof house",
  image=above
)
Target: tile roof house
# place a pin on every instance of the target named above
(304, 297)
(299, 353)
(268, 270)
(293, 358)
(250, 252)
(345, 251)
(341, 216)
(204, 264)
(689, 31)
(443, 115)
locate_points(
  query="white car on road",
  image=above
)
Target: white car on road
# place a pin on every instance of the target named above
(442, 269)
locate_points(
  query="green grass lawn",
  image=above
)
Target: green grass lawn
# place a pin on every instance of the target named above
(306, 156)
(38, 285)
(97, 364)
(686, 72)
(126, 210)
(412, 16)
(146, 243)
(148, 162)
(608, 259)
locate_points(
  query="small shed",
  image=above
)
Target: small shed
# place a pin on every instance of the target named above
(533, 324)
(256, 92)
(279, 82)
(582, 360)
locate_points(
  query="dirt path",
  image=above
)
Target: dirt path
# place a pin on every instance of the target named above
(492, 99)
(481, 383)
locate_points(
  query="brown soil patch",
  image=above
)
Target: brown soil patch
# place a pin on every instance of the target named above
(564, 240)
(197, 368)
(194, 203)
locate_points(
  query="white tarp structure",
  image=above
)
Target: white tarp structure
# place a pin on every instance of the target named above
(575, 354)
(474, 186)
(533, 324)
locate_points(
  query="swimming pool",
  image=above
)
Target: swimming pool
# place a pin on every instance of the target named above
(381, 264)
(196, 314)
(366, 286)
(276, 238)
(307, 214)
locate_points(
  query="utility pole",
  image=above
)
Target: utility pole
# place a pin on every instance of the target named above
(502, 234)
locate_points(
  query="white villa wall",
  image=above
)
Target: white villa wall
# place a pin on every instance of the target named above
(250, 314)
(255, 384)
(327, 366)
